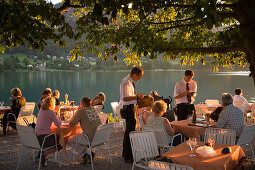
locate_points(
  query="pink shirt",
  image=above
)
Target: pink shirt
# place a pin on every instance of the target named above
(44, 121)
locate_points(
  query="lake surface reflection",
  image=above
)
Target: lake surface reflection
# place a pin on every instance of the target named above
(78, 84)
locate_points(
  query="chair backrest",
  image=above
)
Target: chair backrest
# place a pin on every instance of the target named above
(223, 136)
(158, 165)
(28, 136)
(116, 108)
(98, 108)
(247, 135)
(30, 119)
(143, 144)
(28, 109)
(212, 101)
(102, 134)
(159, 134)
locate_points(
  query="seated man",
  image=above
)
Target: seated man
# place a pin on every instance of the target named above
(89, 121)
(46, 93)
(240, 101)
(231, 117)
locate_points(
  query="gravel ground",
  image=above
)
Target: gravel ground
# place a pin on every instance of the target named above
(11, 147)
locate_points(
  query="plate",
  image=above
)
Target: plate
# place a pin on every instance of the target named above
(202, 125)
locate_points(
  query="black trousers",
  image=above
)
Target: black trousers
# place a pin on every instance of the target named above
(183, 110)
(130, 126)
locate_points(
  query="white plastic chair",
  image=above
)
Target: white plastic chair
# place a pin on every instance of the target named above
(101, 137)
(223, 136)
(212, 101)
(116, 110)
(9, 115)
(246, 137)
(29, 140)
(161, 136)
(144, 146)
(157, 165)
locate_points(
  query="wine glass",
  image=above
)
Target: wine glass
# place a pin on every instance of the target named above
(192, 142)
(211, 139)
(2, 103)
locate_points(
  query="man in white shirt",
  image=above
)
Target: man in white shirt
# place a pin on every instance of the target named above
(128, 98)
(240, 101)
(185, 92)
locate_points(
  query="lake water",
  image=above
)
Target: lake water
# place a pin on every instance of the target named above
(77, 84)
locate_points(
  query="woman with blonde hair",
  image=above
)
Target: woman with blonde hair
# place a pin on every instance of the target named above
(158, 109)
(16, 104)
(99, 99)
(45, 118)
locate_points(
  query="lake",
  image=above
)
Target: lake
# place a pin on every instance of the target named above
(77, 84)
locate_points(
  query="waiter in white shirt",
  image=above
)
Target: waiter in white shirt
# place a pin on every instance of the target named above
(185, 92)
(128, 98)
(239, 101)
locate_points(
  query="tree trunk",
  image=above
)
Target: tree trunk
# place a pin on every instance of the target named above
(246, 16)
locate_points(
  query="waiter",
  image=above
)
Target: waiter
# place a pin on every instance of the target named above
(185, 92)
(128, 98)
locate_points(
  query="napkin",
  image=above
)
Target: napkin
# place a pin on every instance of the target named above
(206, 151)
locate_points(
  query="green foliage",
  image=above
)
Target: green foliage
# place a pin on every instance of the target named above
(186, 30)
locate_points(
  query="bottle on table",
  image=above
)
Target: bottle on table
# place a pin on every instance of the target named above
(194, 116)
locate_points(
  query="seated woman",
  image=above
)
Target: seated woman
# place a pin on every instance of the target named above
(45, 118)
(147, 111)
(99, 99)
(16, 104)
(158, 108)
(56, 95)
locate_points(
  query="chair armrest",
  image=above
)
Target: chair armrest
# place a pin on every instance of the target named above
(82, 134)
(47, 137)
(178, 134)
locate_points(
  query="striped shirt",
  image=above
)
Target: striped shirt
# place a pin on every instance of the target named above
(231, 118)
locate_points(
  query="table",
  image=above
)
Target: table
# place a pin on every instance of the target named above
(190, 131)
(180, 155)
(64, 132)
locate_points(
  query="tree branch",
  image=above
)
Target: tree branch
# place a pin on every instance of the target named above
(221, 50)
(179, 26)
(169, 22)
(190, 6)
(68, 4)
(226, 15)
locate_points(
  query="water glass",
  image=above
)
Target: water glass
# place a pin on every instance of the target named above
(2, 103)
(192, 142)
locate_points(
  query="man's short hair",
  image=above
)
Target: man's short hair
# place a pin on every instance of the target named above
(226, 99)
(137, 71)
(86, 101)
(238, 91)
(47, 91)
(189, 72)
